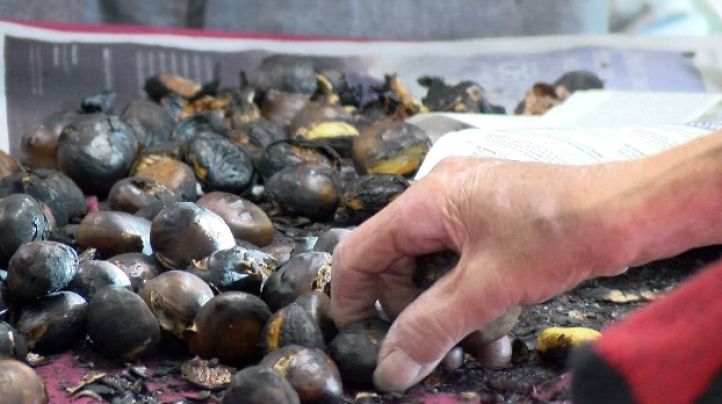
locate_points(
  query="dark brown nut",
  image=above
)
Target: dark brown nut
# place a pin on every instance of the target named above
(318, 305)
(8, 164)
(242, 109)
(325, 123)
(53, 323)
(138, 266)
(259, 385)
(254, 137)
(306, 191)
(281, 107)
(292, 325)
(173, 174)
(285, 154)
(95, 150)
(291, 73)
(367, 195)
(541, 98)
(329, 239)
(310, 372)
(94, 275)
(302, 273)
(495, 354)
(20, 384)
(466, 96)
(12, 343)
(100, 102)
(39, 268)
(39, 145)
(576, 80)
(496, 329)
(454, 358)
(165, 84)
(134, 193)
(22, 220)
(192, 126)
(175, 297)
(355, 350)
(229, 327)
(218, 164)
(51, 187)
(184, 232)
(214, 105)
(235, 269)
(151, 123)
(112, 233)
(390, 146)
(246, 220)
(121, 325)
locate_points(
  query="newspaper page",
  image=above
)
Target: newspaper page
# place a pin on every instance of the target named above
(50, 67)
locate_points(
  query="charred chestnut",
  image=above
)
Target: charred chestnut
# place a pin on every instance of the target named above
(305, 191)
(367, 195)
(286, 154)
(247, 221)
(302, 273)
(219, 164)
(20, 384)
(150, 122)
(318, 305)
(254, 137)
(133, 193)
(173, 174)
(355, 350)
(290, 73)
(165, 84)
(235, 269)
(326, 123)
(390, 146)
(113, 233)
(576, 80)
(94, 275)
(259, 385)
(22, 220)
(138, 267)
(175, 297)
(229, 327)
(8, 165)
(39, 268)
(53, 323)
(121, 325)
(281, 107)
(329, 239)
(95, 150)
(12, 343)
(192, 126)
(292, 325)
(184, 232)
(39, 145)
(310, 372)
(466, 96)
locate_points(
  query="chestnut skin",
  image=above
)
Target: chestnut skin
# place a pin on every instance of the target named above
(246, 220)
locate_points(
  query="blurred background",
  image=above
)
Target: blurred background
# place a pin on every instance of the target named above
(383, 19)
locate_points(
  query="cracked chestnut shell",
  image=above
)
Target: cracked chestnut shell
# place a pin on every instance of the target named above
(121, 325)
(39, 144)
(302, 273)
(259, 385)
(183, 232)
(390, 146)
(355, 350)
(235, 269)
(53, 323)
(95, 150)
(175, 297)
(247, 221)
(366, 195)
(138, 267)
(150, 122)
(94, 275)
(305, 190)
(22, 220)
(229, 327)
(218, 164)
(39, 268)
(20, 384)
(173, 174)
(112, 233)
(12, 343)
(292, 325)
(310, 372)
(134, 193)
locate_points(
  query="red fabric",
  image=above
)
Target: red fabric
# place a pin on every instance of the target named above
(669, 351)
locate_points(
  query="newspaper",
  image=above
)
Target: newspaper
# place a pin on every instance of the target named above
(47, 68)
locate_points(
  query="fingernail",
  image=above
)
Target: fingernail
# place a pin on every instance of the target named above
(396, 371)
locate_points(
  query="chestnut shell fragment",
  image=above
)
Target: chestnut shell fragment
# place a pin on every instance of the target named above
(20, 384)
(39, 268)
(355, 350)
(235, 269)
(247, 221)
(53, 323)
(259, 385)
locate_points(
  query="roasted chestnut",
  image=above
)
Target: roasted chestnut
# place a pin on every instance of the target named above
(219, 164)
(39, 268)
(192, 126)
(229, 327)
(576, 80)
(235, 269)
(355, 350)
(8, 164)
(329, 239)
(150, 122)
(138, 267)
(254, 137)
(133, 193)
(242, 108)
(22, 220)
(112, 233)
(280, 107)
(12, 343)
(121, 325)
(368, 194)
(310, 372)
(94, 275)
(247, 221)
(53, 323)
(169, 172)
(290, 73)
(39, 145)
(326, 123)
(390, 146)
(286, 154)
(302, 273)
(318, 305)
(454, 358)
(183, 232)
(466, 96)
(259, 385)
(100, 102)
(292, 325)
(20, 384)
(305, 190)
(95, 150)
(175, 298)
